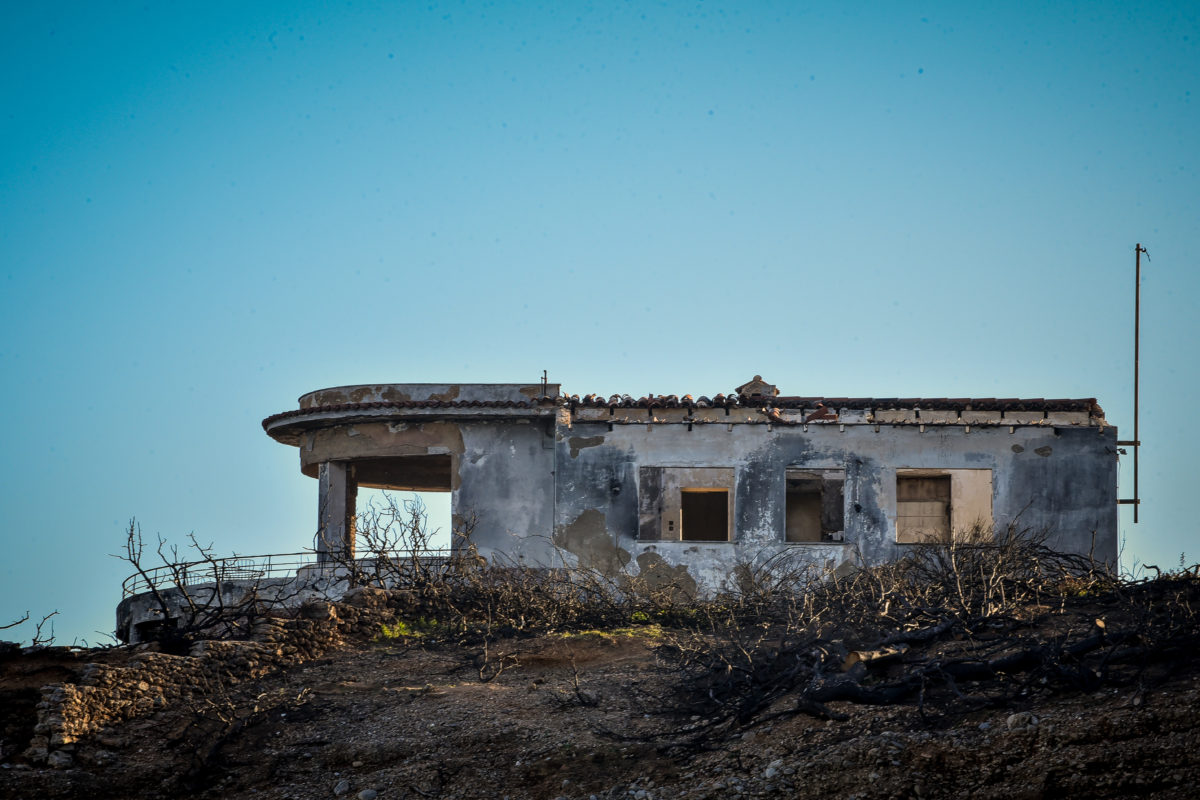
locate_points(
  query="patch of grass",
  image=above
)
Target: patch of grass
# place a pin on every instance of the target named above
(649, 631)
(407, 629)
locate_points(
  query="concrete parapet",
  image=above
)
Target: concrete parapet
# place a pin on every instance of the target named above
(891, 415)
(981, 417)
(428, 392)
(938, 416)
(1024, 417)
(1068, 418)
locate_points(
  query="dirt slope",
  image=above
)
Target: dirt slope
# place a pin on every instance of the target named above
(569, 716)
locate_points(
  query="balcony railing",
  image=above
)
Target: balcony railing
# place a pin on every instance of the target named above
(264, 567)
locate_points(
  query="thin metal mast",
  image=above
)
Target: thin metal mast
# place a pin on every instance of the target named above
(1136, 442)
(1137, 332)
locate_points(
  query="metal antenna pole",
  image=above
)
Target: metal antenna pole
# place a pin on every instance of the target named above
(1137, 332)
(1136, 442)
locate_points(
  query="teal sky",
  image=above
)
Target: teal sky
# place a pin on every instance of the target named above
(207, 209)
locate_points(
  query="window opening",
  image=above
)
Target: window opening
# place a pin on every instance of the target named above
(671, 506)
(815, 508)
(705, 515)
(393, 513)
(406, 500)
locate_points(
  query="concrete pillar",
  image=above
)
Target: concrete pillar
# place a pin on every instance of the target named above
(335, 511)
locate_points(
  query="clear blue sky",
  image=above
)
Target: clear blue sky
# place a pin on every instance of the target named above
(207, 209)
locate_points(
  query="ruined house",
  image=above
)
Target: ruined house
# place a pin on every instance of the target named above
(682, 489)
(689, 486)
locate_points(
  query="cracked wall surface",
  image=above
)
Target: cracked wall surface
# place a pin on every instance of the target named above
(1067, 489)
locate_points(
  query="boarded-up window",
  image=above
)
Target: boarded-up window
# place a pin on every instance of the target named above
(705, 515)
(815, 509)
(922, 508)
(940, 504)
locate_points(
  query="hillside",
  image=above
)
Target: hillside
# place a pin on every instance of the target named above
(344, 700)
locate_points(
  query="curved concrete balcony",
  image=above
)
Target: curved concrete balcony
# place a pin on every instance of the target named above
(343, 405)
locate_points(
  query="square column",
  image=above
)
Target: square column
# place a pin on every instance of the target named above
(338, 493)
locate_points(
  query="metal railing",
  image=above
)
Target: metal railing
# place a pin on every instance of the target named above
(263, 567)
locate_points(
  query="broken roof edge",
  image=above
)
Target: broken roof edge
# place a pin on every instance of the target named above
(342, 404)
(474, 407)
(1088, 405)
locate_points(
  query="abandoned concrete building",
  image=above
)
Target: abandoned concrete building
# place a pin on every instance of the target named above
(680, 489)
(688, 486)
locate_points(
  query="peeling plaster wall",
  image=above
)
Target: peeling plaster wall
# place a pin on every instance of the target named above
(1061, 480)
(506, 483)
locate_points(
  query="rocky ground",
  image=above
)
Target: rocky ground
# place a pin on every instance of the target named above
(576, 716)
